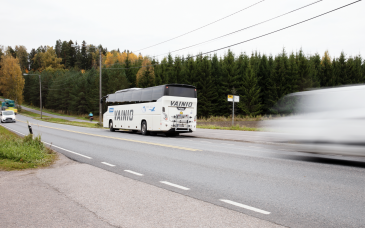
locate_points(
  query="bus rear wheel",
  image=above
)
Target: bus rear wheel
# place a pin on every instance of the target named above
(111, 126)
(144, 128)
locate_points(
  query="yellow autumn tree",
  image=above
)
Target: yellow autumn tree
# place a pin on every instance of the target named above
(146, 75)
(49, 59)
(122, 57)
(110, 59)
(326, 58)
(132, 57)
(11, 79)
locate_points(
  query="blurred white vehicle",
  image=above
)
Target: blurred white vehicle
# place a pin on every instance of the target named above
(8, 117)
(328, 121)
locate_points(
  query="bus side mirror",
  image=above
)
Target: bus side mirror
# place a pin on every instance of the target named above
(163, 109)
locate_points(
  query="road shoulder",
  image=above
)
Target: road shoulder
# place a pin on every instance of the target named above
(71, 194)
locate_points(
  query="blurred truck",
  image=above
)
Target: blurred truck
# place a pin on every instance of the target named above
(9, 105)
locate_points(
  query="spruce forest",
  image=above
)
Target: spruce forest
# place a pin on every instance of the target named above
(70, 76)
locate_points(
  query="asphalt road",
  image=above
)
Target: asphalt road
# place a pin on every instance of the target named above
(287, 188)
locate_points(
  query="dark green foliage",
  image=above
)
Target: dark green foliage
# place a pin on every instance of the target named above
(205, 87)
(229, 81)
(260, 80)
(250, 103)
(304, 79)
(147, 79)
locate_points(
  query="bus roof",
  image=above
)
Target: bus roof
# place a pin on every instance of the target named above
(143, 94)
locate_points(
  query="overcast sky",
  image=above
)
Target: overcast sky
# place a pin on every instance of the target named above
(134, 25)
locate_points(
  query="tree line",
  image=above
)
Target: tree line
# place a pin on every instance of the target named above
(70, 76)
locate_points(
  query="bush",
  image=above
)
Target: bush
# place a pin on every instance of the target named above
(27, 150)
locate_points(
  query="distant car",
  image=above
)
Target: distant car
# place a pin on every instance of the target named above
(8, 117)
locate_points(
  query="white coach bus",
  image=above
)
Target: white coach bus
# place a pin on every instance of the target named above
(170, 109)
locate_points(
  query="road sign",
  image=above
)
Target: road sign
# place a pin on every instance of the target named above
(235, 98)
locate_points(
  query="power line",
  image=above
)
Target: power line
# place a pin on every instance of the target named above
(200, 27)
(255, 37)
(276, 30)
(251, 26)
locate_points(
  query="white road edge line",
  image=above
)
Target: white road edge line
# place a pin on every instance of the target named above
(245, 206)
(135, 173)
(12, 130)
(206, 141)
(175, 185)
(67, 150)
(105, 163)
(228, 144)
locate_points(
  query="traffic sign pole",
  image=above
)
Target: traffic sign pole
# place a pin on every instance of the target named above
(233, 114)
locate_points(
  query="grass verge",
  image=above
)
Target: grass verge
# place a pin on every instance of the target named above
(236, 128)
(18, 153)
(73, 123)
(59, 113)
(60, 121)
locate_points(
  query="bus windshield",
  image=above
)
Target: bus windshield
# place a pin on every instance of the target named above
(178, 91)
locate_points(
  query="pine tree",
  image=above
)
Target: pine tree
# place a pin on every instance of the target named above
(250, 103)
(304, 73)
(216, 80)
(228, 82)
(271, 94)
(65, 54)
(281, 74)
(263, 76)
(170, 74)
(189, 72)
(163, 72)
(205, 86)
(58, 48)
(22, 56)
(177, 70)
(316, 69)
(326, 76)
(72, 54)
(291, 81)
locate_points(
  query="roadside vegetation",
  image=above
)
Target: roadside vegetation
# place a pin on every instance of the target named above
(236, 118)
(60, 121)
(18, 153)
(236, 128)
(60, 112)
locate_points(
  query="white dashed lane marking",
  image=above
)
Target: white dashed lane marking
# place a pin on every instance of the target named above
(105, 163)
(246, 207)
(175, 185)
(135, 173)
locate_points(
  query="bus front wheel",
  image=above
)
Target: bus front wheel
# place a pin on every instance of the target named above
(111, 126)
(144, 128)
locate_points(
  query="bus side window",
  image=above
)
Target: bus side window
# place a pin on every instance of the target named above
(163, 109)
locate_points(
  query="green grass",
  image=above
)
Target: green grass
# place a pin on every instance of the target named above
(236, 118)
(23, 153)
(236, 128)
(73, 123)
(60, 113)
(31, 114)
(60, 121)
